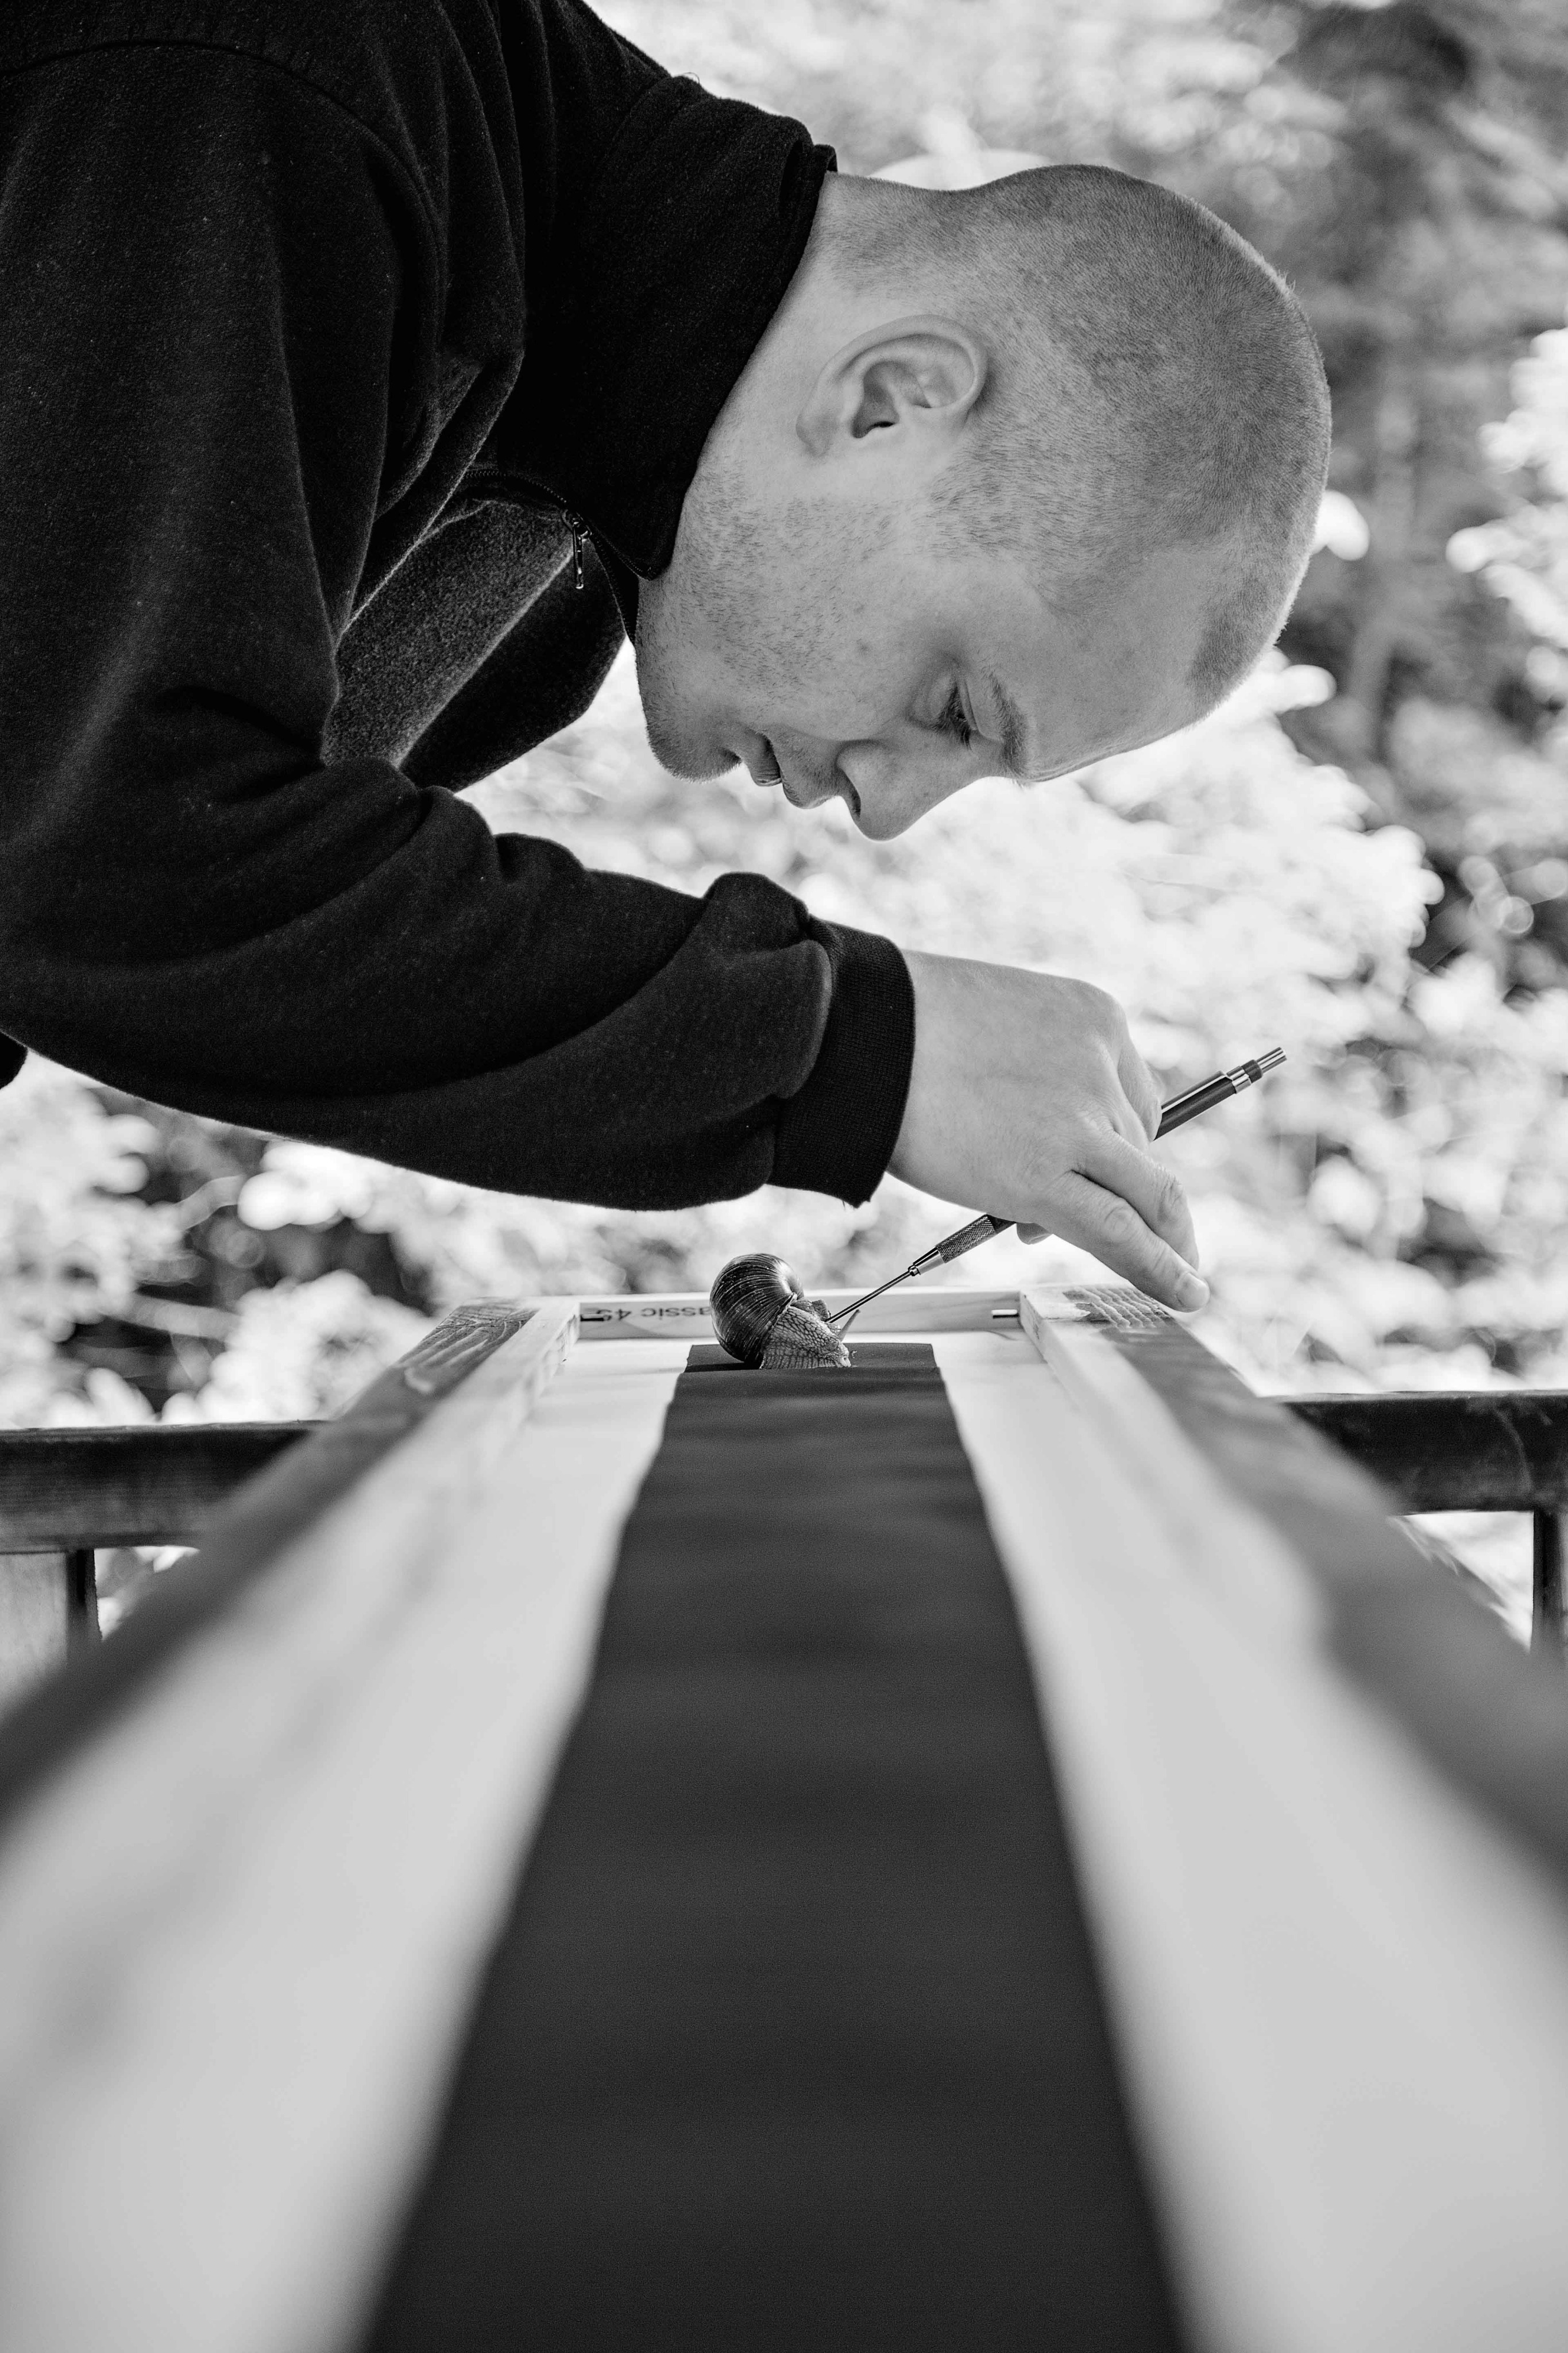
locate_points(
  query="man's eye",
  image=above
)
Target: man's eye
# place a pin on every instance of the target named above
(953, 720)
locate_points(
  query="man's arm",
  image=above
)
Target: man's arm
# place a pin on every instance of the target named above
(222, 302)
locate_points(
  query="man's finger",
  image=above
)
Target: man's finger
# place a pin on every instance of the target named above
(1126, 1124)
(1151, 1188)
(1138, 1086)
(1111, 1230)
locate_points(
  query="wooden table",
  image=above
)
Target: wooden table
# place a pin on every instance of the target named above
(1008, 1846)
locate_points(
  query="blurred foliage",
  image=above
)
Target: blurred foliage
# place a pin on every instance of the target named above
(1363, 858)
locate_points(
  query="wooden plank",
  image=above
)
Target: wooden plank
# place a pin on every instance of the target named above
(1334, 1516)
(272, 1891)
(153, 1483)
(1492, 1718)
(920, 1309)
(266, 1516)
(1486, 1450)
(1342, 1997)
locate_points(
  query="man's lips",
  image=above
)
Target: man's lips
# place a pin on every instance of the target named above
(766, 771)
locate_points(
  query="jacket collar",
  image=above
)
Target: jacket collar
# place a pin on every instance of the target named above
(654, 293)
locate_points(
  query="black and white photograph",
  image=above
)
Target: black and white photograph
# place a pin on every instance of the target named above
(784, 1176)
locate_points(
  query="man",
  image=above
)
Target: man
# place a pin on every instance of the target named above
(364, 372)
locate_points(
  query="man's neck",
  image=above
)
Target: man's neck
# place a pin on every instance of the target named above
(860, 267)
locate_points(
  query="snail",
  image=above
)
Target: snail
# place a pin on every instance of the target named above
(762, 1316)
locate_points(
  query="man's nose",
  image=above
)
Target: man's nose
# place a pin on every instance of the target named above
(908, 777)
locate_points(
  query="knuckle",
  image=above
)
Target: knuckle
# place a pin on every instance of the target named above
(1122, 1226)
(1097, 1004)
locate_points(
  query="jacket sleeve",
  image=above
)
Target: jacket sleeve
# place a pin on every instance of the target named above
(207, 274)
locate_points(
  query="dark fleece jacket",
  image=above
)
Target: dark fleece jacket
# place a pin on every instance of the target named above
(321, 326)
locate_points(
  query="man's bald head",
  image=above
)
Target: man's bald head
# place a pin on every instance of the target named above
(1018, 476)
(1153, 383)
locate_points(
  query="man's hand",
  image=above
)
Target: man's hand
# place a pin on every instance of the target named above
(1028, 1099)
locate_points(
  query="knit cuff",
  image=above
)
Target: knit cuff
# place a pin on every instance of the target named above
(837, 1133)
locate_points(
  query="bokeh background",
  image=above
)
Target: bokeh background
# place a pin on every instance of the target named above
(1363, 856)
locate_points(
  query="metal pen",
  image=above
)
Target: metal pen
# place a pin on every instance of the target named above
(1175, 1113)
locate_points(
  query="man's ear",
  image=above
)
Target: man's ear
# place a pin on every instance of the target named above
(915, 379)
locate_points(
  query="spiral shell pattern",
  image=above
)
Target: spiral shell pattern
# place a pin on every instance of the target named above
(761, 1316)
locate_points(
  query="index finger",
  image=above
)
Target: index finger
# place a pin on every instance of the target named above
(1155, 1191)
(1138, 1086)
(1111, 1229)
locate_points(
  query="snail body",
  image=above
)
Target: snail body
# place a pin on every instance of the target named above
(763, 1318)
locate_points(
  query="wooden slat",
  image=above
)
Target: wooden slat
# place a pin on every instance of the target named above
(1341, 1994)
(683, 1315)
(269, 1891)
(262, 1518)
(63, 1489)
(1486, 1451)
(1488, 1717)
(1337, 1518)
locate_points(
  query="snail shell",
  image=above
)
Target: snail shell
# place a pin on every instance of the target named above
(762, 1316)
(748, 1297)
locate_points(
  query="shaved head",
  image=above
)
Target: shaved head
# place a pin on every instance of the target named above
(1154, 384)
(1018, 476)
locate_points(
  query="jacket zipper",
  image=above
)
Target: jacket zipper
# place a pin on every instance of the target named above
(582, 534)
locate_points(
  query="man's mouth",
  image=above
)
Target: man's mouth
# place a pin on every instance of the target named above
(766, 771)
(841, 789)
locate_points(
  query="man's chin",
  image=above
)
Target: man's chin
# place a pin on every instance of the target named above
(690, 762)
(684, 750)
(878, 825)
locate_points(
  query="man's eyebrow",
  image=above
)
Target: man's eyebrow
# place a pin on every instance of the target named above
(1013, 733)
